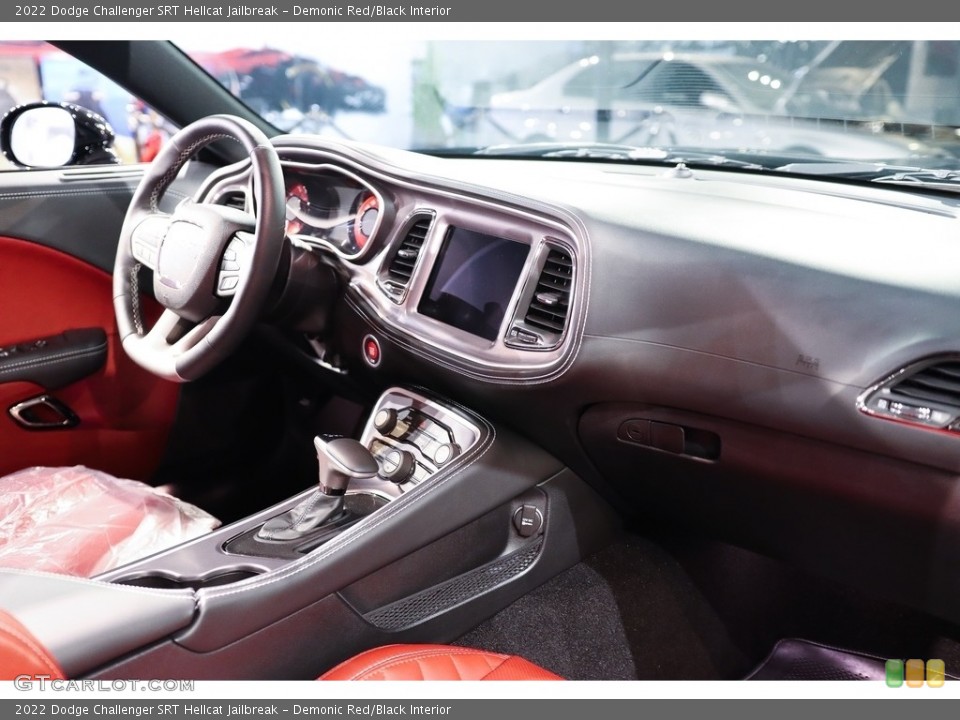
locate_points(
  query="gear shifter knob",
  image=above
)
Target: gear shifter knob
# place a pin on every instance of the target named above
(340, 461)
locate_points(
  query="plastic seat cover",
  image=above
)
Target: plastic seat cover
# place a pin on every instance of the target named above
(83, 522)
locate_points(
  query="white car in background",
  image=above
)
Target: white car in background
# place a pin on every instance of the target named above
(692, 100)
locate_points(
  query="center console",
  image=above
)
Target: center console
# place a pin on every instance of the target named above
(445, 520)
(409, 438)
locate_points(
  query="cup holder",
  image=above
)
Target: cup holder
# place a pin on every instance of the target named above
(163, 581)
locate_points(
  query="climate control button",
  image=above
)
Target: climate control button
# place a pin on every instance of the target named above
(445, 453)
(385, 420)
(397, 465)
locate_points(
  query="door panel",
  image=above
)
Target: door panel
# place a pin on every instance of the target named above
(78, 211)
(58, 239)
(125, 413)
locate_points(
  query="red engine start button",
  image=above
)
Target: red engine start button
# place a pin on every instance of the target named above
(371, 350)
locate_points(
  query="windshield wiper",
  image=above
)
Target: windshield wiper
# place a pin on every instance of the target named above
(929, 178)
(593, 151)
(936, 179)
(612, 151)
(946, 178)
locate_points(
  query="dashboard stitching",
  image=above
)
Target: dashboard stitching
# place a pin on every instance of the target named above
(752, 363)
(42, 195)
(62, 193)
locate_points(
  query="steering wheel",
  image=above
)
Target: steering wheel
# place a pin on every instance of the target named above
(213, 265)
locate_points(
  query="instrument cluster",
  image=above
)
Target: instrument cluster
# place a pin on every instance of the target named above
(327, 206)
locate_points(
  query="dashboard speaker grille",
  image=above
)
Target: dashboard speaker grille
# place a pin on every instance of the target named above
(404, 261)
(551, 299)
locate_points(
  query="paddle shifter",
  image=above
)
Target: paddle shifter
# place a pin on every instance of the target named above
(340, 461)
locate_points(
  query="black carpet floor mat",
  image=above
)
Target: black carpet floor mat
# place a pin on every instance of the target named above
(803, 660)
(682, 608)
(628, 612)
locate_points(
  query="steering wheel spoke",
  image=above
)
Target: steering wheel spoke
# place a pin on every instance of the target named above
(165, 332)
(173, 335)
(171, 340)
(147, 237)
(233, 264)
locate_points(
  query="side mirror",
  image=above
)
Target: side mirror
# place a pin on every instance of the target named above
(52, 135)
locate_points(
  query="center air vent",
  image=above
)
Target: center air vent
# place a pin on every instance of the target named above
(395, 279)
(542, 321)
(926, 393)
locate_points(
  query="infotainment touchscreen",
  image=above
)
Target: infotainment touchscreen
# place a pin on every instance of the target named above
(473, 280)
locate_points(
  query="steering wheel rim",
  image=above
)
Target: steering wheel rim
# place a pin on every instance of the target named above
(194, 252)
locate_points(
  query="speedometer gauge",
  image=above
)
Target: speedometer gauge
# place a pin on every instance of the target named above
(366, 220)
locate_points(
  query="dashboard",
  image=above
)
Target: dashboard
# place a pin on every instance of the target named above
(783, 303)
(772, 302)
(493, 289)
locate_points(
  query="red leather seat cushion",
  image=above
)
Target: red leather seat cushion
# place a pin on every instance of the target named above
(21, 654)
(435, 662)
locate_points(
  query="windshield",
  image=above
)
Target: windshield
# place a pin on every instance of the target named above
(896, 102)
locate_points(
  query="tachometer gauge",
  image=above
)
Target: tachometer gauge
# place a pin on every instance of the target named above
(297, 199)
(366, 220)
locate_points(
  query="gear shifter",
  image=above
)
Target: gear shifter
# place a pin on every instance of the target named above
(340, 461)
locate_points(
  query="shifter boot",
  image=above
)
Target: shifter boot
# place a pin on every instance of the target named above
(339, 460)
(302, 519)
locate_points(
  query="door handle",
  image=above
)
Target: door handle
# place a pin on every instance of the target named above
(43, 412)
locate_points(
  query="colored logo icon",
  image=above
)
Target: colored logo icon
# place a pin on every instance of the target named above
(914, 672)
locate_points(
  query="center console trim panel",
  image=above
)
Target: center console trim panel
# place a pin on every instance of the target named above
(208, 556)
(480, 479)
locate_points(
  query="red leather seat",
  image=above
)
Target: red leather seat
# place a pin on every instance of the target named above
(435, 662)
(21, 654)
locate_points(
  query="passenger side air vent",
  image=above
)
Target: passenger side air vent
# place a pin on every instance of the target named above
(396, 277)
(938, 383)
(542, 320)
(926, 393)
